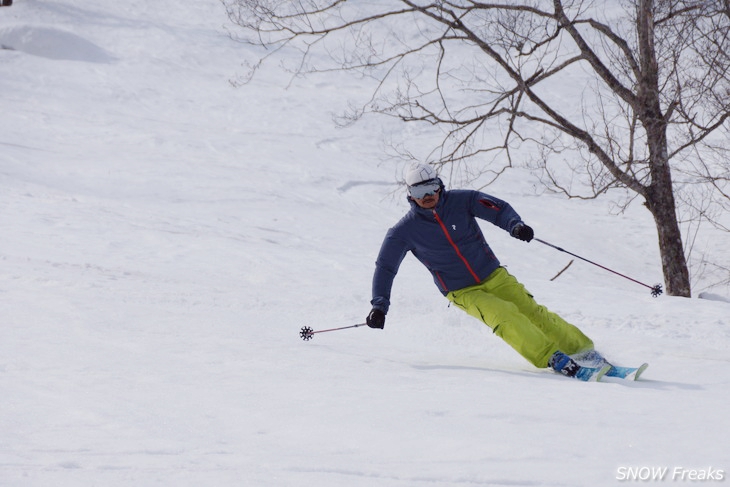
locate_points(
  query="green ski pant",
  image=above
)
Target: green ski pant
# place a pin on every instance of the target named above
(504, 305)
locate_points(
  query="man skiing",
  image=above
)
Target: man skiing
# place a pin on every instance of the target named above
(441, 231)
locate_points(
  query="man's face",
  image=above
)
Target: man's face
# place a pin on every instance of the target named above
(426, 194)
(429, 201)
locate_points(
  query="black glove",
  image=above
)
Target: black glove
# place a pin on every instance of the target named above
(376, 319)
(523, 232)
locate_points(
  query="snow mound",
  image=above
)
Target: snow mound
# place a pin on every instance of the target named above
(52, 44)
(714, 297)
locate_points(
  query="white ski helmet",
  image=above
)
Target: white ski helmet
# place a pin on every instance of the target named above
(419, 173)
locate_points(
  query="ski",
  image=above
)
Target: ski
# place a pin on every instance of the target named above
(627, 373)
(592, 374)
(592, 358)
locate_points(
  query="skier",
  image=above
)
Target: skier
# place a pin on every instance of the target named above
(442, 233)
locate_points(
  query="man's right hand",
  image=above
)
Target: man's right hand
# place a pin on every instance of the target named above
(376, 319)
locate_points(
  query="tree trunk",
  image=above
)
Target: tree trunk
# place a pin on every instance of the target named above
(660, 201)
(660, 193)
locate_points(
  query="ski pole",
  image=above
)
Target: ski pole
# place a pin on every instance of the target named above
(655, 290)
(307, 333)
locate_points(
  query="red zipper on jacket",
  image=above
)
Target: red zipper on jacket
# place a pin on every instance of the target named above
(456, 248)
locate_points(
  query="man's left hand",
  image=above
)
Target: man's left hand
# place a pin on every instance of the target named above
(523, 232)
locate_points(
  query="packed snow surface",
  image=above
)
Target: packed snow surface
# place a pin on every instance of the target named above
(164, 235)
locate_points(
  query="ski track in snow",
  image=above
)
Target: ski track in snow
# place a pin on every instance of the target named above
(165, 236)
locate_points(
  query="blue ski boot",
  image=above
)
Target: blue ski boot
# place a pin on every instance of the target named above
(565, 365)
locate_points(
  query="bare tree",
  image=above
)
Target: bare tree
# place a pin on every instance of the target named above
(651, 79)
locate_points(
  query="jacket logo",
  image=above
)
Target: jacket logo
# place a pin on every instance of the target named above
(454, 227)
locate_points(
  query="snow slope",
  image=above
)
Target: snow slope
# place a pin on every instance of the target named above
(164, 236)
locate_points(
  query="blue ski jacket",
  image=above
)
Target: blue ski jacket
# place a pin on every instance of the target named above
(446, 239)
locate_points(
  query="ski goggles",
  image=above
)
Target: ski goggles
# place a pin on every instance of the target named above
(425, 188)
